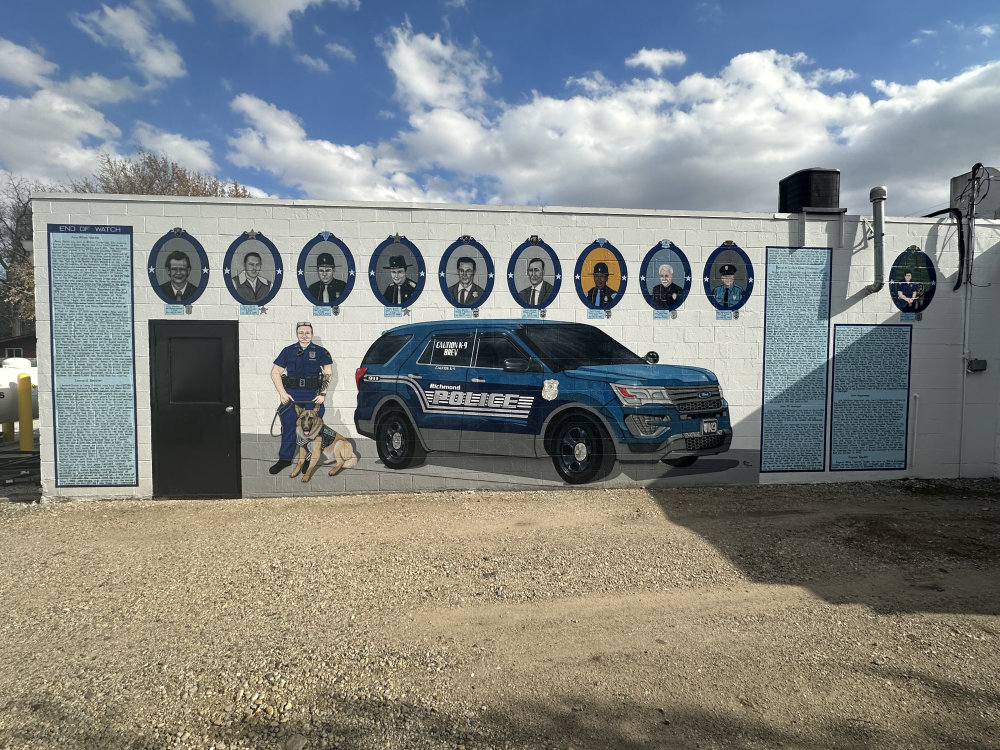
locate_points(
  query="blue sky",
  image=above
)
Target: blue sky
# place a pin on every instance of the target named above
(643, 104)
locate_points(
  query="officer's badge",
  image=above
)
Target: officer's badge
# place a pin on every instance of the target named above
(312, 355)
(550, 389)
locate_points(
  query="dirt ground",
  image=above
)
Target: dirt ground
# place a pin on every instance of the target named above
(810, 616)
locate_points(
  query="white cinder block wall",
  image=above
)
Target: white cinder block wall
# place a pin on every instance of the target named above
(953, 416)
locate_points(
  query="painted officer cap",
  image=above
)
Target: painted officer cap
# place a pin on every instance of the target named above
(325, 259)
(397, 261)
(727, 269)
(601, 268)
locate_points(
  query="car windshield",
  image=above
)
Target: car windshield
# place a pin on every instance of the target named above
(566, 346)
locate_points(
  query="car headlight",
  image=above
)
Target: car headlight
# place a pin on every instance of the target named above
(640, 395)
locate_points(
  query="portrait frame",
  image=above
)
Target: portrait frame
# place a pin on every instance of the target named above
(271, 265)
(600, 251)
(524, 253)
(174, 240)
(305, 269)
(664, 252)
(728, 253)
(448, 275)
(920, 266)
(379, 277)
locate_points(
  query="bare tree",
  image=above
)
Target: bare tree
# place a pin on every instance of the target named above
(17, 288)
(149, 174)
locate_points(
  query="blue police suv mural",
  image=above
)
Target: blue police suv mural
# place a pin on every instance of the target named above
(534, 388)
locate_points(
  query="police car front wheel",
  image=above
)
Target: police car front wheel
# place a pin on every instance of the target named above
(580, 450)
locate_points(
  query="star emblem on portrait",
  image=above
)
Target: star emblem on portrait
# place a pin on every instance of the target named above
(509, 276)
(441, 274)
(263, 310)
(277, 272)
(302, 271)
(559, 276)
(152, 270)
(204, 271)
(225, 271)
(642, 278)
(687, 278)
(351, 273)
(422, 273)
(371, 273)
(489, 276)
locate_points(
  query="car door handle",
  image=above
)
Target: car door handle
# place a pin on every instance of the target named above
(414, 377)
(479, 380)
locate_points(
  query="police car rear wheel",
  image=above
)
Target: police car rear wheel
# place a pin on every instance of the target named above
(396, 442)
(579, 450)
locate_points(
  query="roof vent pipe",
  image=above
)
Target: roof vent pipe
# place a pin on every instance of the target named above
(877, 197)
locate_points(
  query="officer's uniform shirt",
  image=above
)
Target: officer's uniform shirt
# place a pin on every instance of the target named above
(309, 362)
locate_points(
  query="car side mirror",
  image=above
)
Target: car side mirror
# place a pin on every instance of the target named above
(652, 358)
(516, 364)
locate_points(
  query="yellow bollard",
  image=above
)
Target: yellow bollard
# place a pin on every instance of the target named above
(8, 432)
(24, 412)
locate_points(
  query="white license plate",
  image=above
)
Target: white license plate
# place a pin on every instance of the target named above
(709, 426)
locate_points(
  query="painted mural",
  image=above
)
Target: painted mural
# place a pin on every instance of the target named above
(534, 274)
(178, 268)
(566, 391)
(601, 276)
(252, 269)
(666, 276)
(912, 280)
(728, 278)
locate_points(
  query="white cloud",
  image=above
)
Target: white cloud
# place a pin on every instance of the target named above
(273, 18)
(23, 66)
(316, 63)
(276, 142)
(987, 30)
(339, 50)
(656, 59)
(49, 137)
(96, 89)
(193, 154)
(129, 28)
(433, 73)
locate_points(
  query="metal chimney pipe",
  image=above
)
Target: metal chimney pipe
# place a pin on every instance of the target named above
(877, 196)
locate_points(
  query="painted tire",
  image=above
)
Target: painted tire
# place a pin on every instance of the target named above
(580, 450)
(396, 441)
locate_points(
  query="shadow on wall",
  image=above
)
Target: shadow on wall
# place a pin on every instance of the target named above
(905, 546)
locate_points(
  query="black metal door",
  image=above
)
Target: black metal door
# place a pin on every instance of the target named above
(195, 408)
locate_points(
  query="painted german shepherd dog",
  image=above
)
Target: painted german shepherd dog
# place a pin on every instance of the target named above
(317, 441)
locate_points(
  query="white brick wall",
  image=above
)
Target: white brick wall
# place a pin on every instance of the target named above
(733, 349)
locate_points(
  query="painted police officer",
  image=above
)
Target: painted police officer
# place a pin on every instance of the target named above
(328, 288)
(301, 375)
(401, 288)
(728, 293)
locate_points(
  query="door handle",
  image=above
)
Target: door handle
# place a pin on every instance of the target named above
(479, 380)
(414, 377)
(230, 409)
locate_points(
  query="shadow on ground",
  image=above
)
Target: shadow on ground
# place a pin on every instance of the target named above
(902, 546)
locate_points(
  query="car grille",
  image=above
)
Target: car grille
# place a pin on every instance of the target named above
(704, 443)
(687, 399)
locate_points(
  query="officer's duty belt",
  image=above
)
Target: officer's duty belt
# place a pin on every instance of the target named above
(310, 381)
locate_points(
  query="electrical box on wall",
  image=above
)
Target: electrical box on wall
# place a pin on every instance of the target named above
(988, 200)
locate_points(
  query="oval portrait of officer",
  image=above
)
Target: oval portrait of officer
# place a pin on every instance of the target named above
(912, 280)
(252, 269)
(396, 272)
(600, 276)
(466, 273)
(178, 268)
(534, 274)
(728, 277)
(326, 271)
(666, 276)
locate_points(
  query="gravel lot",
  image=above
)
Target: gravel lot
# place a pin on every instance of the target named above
(811, 616)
